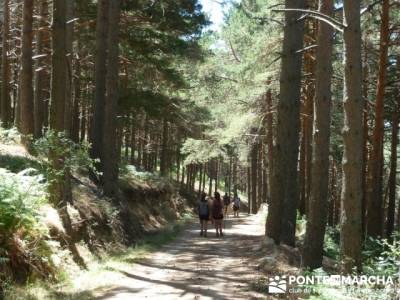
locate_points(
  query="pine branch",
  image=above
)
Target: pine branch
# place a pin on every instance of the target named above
(316, 15)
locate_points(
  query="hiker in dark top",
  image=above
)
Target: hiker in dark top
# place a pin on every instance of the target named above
(204, 214)
(236, 205)
(227, 201)
(217, 214)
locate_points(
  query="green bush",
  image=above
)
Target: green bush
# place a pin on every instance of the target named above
(23, 247)
(331, 243)
(74, 156)
(382, 257)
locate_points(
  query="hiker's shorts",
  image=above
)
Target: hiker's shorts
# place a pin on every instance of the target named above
(203, 218)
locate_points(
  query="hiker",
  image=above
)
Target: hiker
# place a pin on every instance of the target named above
(217, 214)
(227, 201)
(236, 205)
(204, 214)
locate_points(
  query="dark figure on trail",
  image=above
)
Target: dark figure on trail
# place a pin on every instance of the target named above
(227, 201)
(204, 214)
(217, 214)
(236, 205)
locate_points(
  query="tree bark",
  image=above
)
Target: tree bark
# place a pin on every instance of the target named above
(254, 165)
(6, 118)
(393, 171)
(97, 126)
(163, 158)
(110, 161)
(270, 142)
(58, 66)
(317, 210)
(350, 237)
(365, 147)
(69, 55)
(260, 174)
(77, 100)
(249, 190)
(26, 75)
(234, 176)
(374, 192)
(41, 73)
(281, 218)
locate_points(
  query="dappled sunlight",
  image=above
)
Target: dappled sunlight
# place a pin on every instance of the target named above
(192, 266)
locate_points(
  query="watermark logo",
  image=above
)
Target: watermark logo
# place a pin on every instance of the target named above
(277, 285)
(304, 284)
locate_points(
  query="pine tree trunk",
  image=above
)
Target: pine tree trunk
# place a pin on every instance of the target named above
(260, 159)
(60, 187)
(350, 237)
(317, 210)
(132, 141)
(254, 178)
(230, 177)
(374, 193)
(68, 84)
(365, 147)
(16, 44)
(393, 171)
(26, 75)
(234, 176)
(6, 113)
(58, 66)
(77, 102)
(163, 158)
(110, 155)
(97, 126)
(210, 180)
(41, 73)
(216, 175)
(281, 218)
(249, 190)
(270, 141)
(204, 178)
(84, 118)
(308, 130)
(302, 168)
(332, 182)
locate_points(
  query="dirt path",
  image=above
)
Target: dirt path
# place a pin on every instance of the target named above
(194, 267)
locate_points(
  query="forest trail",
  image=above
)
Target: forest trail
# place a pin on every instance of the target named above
(193, 267)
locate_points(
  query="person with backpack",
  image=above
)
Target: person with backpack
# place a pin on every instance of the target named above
(217, 214)
(227, 201)
(236, 205)
(204, 214)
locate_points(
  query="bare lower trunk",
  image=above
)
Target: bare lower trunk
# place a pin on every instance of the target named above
(393, 172)
(96, 134)
(41, 73)
(317, 210)
(6, 112)
(281, 218)
(110, 161)
(374, 192)
(26, 76)
(350, 237)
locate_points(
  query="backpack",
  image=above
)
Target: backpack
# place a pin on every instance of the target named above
(203, 208)
(227, 200)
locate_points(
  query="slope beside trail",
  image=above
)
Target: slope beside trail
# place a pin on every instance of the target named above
(194, 267)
